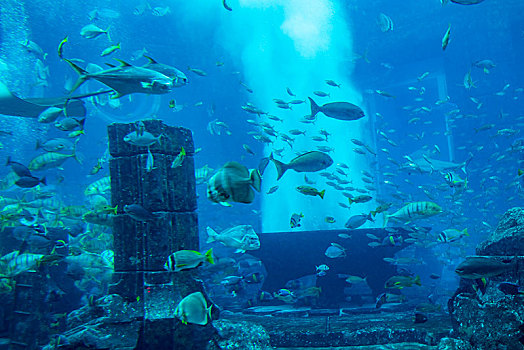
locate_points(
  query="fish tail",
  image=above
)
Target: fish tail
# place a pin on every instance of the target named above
(256, 179)
(314, 107)
(74, 154)
(321, 194)
(8, 161)
(465, 232)
(83, 75)
(107, 33)
(373, 213)
(209, 256)
(43, 181)
(38, 144)
(208, 312)
(211, 235)
(281, 167)
(417, 281)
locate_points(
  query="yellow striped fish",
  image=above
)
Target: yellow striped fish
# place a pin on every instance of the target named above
(414, 211)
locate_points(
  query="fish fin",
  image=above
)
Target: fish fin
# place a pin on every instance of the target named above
(110, 65)
(386, 219)
(225, 204)
(256, 179)
(122, 63)
(281, 167)
(321, 194)
(240, 251)
(83, 76)
(465, 232)
(209, 256)
(151, 61)
(314, 107)
(208, 313)
(417, 281)
(75, 155)
(211, 235)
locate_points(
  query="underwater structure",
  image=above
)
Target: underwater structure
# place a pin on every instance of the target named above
(139, 310)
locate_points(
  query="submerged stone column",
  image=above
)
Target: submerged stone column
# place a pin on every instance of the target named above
(141, 248)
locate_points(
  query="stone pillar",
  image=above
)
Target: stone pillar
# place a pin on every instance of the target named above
(141, 248)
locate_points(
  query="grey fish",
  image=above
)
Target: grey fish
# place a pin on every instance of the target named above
(92, 31)
(20, 169)
(337, 110)
(308, 162)
(356, 221)
(55, 145)
(482, 267)
(126, 79)
(234, 182)
(138, 212)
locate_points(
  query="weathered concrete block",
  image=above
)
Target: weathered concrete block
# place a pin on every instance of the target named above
(162, 189)
(145, 246)
(173, 138)
(166, 235)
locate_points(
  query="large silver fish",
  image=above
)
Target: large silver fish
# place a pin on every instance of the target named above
(126, 79)
(241, 237)
(307, 162)
(337, 110)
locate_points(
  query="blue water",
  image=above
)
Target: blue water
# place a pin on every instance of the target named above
(269, 45)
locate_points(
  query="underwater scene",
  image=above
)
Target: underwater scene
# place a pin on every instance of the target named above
(261, 174)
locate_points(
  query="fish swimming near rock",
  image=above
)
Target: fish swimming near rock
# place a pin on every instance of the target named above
(241, 237)
(399, 282)
(193, 309)
(337, 110)
(188, 259)
(308, 162)
(475, 267)
(125, 79)
(233, 183)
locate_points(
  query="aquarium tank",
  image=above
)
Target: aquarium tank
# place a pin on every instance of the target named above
(261, 174)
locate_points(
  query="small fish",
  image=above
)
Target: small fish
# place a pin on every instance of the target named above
(226, 6)
(330, 219)
(160, 11)
(193, 309)
(424, 75)
(138, 212)
(310, 191)
(187, 259)
(61, 46)
(295, 220)
(248, 149)
(290, 92)
(91, 31)
(332, 83)
(445, 39)
(321, 93)
(110, 50)
(197, 71)
(335, 251)
(96, 168)
(150, 162)
(272, 190)
(179, 159)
